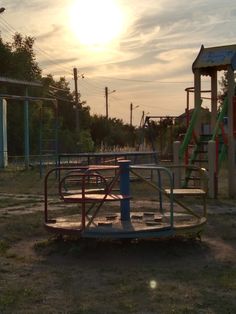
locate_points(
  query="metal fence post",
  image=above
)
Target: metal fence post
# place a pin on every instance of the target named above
(177, 170)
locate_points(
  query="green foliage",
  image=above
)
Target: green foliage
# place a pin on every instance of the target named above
(18, 59)
(68, 142)
(86, 142)
(224, 87)
(4, 246)
(111, 132)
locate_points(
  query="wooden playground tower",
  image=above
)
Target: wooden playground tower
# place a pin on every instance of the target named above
(208, 62)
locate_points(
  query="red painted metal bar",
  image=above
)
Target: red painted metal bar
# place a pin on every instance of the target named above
(109, 189)
(224, 135)
(217, 154)
(59, 169)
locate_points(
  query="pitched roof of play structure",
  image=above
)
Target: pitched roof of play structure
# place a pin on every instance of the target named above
(215, 57)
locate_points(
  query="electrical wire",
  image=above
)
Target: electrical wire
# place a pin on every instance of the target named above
(87, 84)
(146, 81)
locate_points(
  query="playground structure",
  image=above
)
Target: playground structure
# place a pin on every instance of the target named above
(165, 136)
(210, 150)
(93, 186)
(26, 99)
(3, 119)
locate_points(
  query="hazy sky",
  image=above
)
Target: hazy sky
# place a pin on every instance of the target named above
(143, 49)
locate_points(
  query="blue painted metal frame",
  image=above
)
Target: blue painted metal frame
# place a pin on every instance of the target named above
(26, 130)
(124, 189)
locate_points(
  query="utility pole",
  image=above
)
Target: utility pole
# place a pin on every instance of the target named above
(76, 100)
(131, 112)
(106, 97)
(142, 119)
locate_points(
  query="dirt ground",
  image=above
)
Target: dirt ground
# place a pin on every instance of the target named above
(40, 273)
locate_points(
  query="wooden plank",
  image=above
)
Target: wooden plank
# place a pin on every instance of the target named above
(186, 192)
(87, 191)
(78, 198)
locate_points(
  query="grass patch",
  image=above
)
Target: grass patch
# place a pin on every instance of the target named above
(13, 297)
(13, 202)
(4, 246)
(18, 227)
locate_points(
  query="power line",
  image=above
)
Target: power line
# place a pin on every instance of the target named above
(146, 81)
(89, 85)
(124, 79)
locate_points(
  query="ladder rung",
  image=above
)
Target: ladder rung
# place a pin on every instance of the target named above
(48, 151)
(193, 178)
(201, 151)
(200, 160)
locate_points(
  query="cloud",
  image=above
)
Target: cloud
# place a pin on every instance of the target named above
(26, 5)
(57, 62)
(166, 41)
(55, 31)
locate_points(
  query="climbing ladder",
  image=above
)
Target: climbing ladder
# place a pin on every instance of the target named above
(195, 151)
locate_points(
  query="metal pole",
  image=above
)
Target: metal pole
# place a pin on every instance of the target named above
(212, 171)
(26, 129)
(197, 98)
(177, 174)
(131, 114)
(124, 190)
(76, 100)
(106, 97)
(187, 124)
(231, 139)
(3, 134)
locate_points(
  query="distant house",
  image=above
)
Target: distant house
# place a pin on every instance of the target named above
(205, 118)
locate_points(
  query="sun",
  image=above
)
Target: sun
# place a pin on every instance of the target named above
(96, 22)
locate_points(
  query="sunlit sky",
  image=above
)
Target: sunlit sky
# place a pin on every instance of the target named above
(143, 49)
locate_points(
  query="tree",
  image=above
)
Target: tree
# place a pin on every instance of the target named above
(24, 62)
(17, 61)
(111, 132)
(224, 87)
